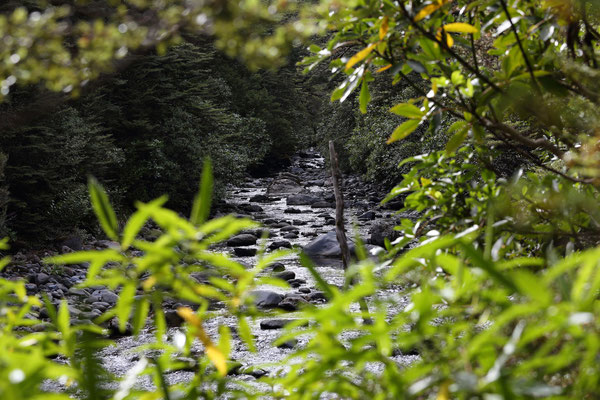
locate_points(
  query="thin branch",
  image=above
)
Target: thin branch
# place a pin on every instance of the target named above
(520, 44)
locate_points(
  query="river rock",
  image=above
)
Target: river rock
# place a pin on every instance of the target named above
(297, 282)
(292, 302)
(381, 230)
(269, 324)
(301, 200)
(367, 216)
(278, 244)
(259, 198)
(266, 298)
(244, 239)
(251, 207)
(322, 204)
(285, 186)
(245, 251)
(286, 275)
(325, 246)
(42, 278)
(277, 267)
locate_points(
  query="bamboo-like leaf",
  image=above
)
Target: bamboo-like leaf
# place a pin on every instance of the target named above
(460, 27)
(102, 208)
(124, 304)
(321, 284)
(404, 130)
(358, 57)
(427, 10)
(384, 68)
(202, 202)
(383, 29)
(246, 334)
(212, 352)
(365, 96)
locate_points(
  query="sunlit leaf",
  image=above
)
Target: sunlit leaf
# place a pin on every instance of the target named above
(404, 130)
(358, 57)
(460, 27)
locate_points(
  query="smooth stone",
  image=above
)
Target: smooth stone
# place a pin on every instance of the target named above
(295, 283)
(301, 200)
(259, 198)
(381, 230)
(367, 216)
(266, 298)
(245, 251)
(278, 244)
(277, 267)
(269, 324)
(109, 297)
(292, 302)
(42, 278)
(286, 275)
(251, 207)
(325, 246)
(244, 239)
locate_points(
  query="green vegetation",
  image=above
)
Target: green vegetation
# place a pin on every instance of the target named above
(144, 133)
(501, 268)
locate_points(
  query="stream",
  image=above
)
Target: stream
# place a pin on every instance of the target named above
(297, 207)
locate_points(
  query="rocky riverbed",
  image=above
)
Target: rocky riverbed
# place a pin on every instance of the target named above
(296, 208)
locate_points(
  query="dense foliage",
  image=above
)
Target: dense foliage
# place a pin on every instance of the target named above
(145, 132)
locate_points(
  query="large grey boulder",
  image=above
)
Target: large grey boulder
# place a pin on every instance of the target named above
(266, 298)
(244, 239)
(381, 230)
(325, 246)
(301, 200)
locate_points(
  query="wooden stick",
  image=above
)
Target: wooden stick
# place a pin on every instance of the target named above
(340, 230)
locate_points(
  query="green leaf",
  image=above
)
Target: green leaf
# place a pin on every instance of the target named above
(201, 207)
(246, 334)
(365, 96)
(458, 138)
(306, 262)
(404, 130)
(460, 27)
(142, 307)
(63, 321)
(224, 340)
(124, 305)
(407, 110)
(138, 219)
(102, 208)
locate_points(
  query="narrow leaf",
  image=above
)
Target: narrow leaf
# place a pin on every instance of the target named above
(460, 27)
(383, 29)
(201, 207)
(358, 57)
(404, 130)
(427, 10)
(102, 208)
(365, 96)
